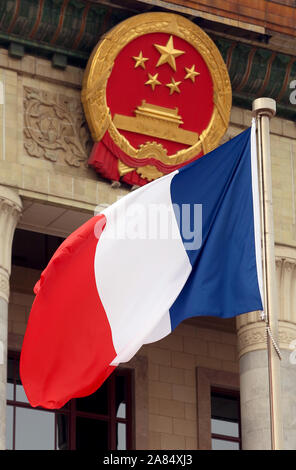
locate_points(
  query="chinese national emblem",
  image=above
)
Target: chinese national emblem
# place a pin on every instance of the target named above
(156, 95)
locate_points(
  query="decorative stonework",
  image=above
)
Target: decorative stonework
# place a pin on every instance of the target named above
(287, 334)
(10, 210)
(251, 337)
(8, 207)
(286, 281)
(252, 331)
(55, 128)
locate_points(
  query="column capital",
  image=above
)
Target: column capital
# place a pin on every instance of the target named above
(251, 330)
(286, 282)
(10, 211)
(10, 201)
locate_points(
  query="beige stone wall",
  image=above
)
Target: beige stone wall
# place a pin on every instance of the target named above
(172, 381)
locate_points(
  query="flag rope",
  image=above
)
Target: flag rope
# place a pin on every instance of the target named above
(274, 343)
(268, 331)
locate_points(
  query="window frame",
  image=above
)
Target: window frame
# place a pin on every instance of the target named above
(206, 379)
(70, 410)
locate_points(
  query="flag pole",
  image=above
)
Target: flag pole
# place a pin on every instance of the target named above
(264, 109)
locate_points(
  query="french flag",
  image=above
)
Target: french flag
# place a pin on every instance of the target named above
(184, 245)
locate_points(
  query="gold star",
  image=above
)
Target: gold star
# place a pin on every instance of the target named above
(191, 73)
(140, 60)
(173, 86)
(168, 54)
(153, 81)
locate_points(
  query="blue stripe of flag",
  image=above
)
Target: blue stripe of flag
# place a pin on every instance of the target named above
(224, 280)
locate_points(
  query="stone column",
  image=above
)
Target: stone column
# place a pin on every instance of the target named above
(286, 280)
(10, 210)
(254, 383)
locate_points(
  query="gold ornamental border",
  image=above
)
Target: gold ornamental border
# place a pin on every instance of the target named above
(100, 65)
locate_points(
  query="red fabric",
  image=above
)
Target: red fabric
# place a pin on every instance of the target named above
(104, 159)
(104, 162)
(68, 345)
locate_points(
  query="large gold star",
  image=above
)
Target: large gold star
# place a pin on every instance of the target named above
(168, 54)
(153, 81)
(173, 86)
(191, 73)
(140, 60)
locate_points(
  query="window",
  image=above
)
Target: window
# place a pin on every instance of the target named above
(225, 420)
(99, 421)
(210, 382)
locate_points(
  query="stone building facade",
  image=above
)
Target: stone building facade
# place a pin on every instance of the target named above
(46, 187)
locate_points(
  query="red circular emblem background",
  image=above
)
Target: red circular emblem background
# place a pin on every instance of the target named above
(126, 86)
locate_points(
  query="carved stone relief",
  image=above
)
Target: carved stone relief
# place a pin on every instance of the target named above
(55, 128)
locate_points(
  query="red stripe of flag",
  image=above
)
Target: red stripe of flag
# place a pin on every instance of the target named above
(68, 345)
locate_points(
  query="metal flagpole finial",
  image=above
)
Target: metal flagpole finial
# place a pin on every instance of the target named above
(264, 106)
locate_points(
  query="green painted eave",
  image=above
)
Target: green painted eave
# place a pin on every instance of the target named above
(256, 71)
